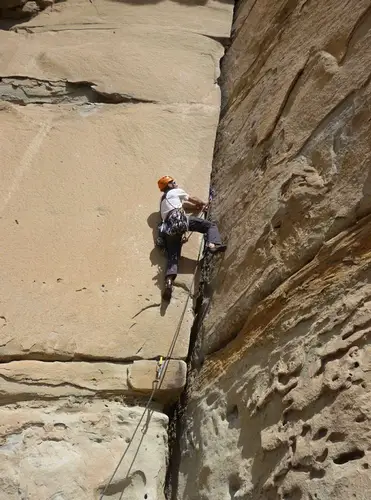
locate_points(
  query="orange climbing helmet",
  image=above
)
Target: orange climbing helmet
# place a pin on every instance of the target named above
(164, 181)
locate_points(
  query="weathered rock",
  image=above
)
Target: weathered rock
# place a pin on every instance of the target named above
(22, 9)
(88, 282)
(296, 120)
(10, 4)
(138, 62)
(43, 4)
(69, 450)
(30, 8)
(280, 408)
(98, 100)
(143, 373)
(289, 396)
(207, 17)
(89, 260)
(23, 380)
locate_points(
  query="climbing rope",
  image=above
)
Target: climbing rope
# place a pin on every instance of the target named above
(160, 375)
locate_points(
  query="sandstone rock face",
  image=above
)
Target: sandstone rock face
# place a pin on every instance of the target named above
(22, 380)
(87, 272)
(280, 408)
(70, 448)
(97, 101)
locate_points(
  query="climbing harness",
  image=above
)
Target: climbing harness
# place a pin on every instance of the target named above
(175, 224)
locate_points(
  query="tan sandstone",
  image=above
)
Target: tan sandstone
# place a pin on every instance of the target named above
(90, 234)
(22, 380)
(210, 18)
(70, 448)
(171, 376)
(279, 408)
(98, 99)
(78, 257)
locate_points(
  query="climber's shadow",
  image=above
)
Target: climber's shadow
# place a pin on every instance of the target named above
(158, 259)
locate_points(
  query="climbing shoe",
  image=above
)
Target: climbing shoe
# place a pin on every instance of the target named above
(212, 248)
(166, 295)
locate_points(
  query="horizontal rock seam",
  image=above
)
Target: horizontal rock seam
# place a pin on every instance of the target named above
(24, 90)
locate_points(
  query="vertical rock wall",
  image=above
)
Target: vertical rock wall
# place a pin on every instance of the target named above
(98, 99)
(280, 408)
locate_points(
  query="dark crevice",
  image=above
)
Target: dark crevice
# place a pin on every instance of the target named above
(317, 474)
(321, 433)
(337, 437)
(348, 456)
(24, 90)
(223, 40)
(360, 418)
(233, 417)
(71, 358)
(21, 11)
(223, 72)
(322, 457)
(177, 412)
(313, 473)
(195, 359)
(306, 428)
(56, 28)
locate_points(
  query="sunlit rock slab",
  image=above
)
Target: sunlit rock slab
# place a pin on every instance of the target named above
(78, 210)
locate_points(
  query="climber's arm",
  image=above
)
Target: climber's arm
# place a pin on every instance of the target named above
(195, 202)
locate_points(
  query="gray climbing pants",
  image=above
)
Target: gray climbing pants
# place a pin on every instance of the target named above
(174, 243)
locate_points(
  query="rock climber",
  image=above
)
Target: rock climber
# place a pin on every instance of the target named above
(175, 223)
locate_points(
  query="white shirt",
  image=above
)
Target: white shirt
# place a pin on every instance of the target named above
(174, 199)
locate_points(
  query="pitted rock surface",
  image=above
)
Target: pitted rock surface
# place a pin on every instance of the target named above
(69, 449)
(278, 406)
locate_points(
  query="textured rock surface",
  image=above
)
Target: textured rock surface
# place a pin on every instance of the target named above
(142, 374)
(98, 99)
(22, 380)
(205, 17)
(87, 272)
(78, 259)
(69, 449)
(280, 408)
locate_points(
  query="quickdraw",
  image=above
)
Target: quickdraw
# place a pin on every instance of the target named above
(159, 368)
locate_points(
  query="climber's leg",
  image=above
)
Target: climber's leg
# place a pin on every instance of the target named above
(173, 250)
(213, 239)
